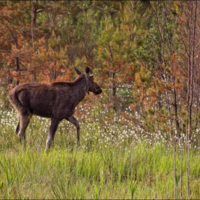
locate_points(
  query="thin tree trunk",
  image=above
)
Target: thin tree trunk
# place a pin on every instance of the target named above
(177, 130)
(197, 110)
(192, 38)
(181, 158)
(17, 68)
(175, 181)
(33, 24)
(114, 92)
(14, 35)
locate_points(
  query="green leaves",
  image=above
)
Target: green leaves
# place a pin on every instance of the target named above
(133, 185)
(1, 185)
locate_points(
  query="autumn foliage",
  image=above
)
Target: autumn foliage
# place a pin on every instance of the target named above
(142, 55)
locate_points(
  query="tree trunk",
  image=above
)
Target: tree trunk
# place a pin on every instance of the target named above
(114, 92)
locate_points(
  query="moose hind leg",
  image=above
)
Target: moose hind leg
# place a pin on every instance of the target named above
(76, 123)
(22, 125)
(51, 133)
(17, 127)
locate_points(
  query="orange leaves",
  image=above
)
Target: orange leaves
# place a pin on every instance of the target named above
(65, 77)
(44, 78)
(161, 86)
(128, 117)
(123, 114)
(174, 57)
(137, 78)
(169, 86)
(46, 71)
(158, 73)
(104, 85)
(179, 86)
(42, 48)
(20, 41)
(14, 49)
(2, 73)
(15, 73)
(152, 97)
(100, 50)
(132, 106)
(42, 40)
(153, 92)
(108, 105)
(6, 11)
(143, 75)
(161, 117)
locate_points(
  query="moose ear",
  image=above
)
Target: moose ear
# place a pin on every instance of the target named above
(77, 71)
(87, 70)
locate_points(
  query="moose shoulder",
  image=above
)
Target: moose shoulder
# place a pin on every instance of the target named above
(56, 101)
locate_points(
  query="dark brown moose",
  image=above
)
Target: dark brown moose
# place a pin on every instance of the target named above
(56, 101)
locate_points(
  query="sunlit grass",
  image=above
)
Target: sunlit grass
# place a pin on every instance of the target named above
(110, 163)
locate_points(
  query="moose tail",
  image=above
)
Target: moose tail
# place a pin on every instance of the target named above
(13, 97)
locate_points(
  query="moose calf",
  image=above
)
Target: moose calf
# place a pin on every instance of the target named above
(56, 101)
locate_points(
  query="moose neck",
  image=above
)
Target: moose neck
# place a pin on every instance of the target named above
(81, 87)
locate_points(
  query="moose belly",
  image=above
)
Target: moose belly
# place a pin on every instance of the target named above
(41, 109)
(42, 113)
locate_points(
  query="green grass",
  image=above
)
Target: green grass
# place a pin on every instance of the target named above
(94, 170)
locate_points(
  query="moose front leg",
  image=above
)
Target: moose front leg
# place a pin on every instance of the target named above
(76, 123)
(51, 133)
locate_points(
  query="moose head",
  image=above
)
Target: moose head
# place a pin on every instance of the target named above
(92, 86)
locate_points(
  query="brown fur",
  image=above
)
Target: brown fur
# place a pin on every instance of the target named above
(56, 101)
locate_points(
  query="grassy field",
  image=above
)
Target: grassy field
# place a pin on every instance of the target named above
(114, 161)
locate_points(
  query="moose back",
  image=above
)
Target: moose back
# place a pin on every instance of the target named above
(56, 101)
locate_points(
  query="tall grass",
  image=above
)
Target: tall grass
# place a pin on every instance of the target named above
(98, 168)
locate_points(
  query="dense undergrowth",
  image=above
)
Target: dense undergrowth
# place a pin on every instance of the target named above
(114, 161)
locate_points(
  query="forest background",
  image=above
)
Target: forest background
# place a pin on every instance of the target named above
(144, 54)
